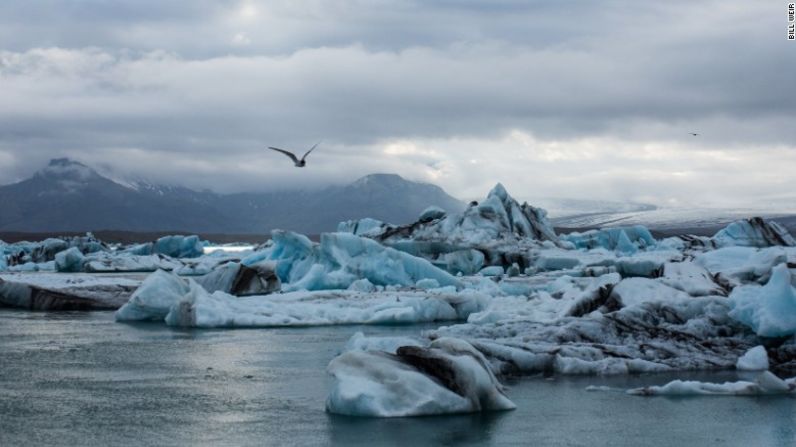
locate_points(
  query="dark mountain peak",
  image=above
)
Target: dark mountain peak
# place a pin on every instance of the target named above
(380, 177)
(67, 169)
(65, 161)
(381, 181)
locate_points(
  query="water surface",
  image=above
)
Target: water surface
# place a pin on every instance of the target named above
(82, 379)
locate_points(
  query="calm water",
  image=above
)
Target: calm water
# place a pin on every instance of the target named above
(82, 379)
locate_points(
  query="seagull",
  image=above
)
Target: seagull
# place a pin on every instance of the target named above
(693, 134)
(299, 163)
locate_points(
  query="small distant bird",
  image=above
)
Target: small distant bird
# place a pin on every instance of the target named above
(299, 163)
(693, 134)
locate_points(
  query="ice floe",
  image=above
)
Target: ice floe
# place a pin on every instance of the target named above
(765, 383)
(448, 376)
(180, 301)
(51, 291)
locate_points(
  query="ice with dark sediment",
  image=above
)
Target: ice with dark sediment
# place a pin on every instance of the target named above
(497, 231)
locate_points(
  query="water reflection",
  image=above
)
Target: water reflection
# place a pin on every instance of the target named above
(416, 431)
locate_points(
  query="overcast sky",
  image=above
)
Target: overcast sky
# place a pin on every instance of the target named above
(579, 99)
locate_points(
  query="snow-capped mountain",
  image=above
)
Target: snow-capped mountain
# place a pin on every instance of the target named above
(69, 196)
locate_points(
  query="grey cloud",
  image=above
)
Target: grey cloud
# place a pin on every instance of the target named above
(158, 87)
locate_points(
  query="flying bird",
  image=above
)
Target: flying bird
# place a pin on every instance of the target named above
(693, 134)
(299, 163)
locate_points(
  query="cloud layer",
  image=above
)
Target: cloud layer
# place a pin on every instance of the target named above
(579, 100)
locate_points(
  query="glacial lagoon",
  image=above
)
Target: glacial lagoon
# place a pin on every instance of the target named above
(76, 378)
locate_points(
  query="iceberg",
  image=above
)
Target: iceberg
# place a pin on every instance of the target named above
(624, 240)
(742, 265)
(449, 376)
(692, 279)
(183, 302)
(22, 253)
(55, 292)
(765, 383)
(755, 359)
(361, 227)
(179, 246)
(499, 228)
(118, 263)
(242, 280)
(342, 258)
(69, 260)
(754, 232)
(639, 326)
(431, 213)
(769, 310)
(155, 297)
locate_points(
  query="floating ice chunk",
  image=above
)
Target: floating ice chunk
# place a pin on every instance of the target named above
(362, 285)
(144, 249)
(625, 240)
(637, 291)
(70, 260)
(431, 213)
(154, 298)
(769, 310)
(498, 218)
(57, 291)
(242, 280)
(765, 383)
(361, 227)
(205, 264)
(179, 246)
(624, 246)
(755, 359)
(182, 302)
(691, 278)
(466, 262)
(492, 270)
(658, 334)
(115, 263)
(448, 377)
(427, 283)
(342, 258)
(513, 270)
(741, 265)
(557, 260)
(517, 286)
(324, 308)
(604, 366)
(754, 232)
(29, 267)
(630, 267)
(359, 342)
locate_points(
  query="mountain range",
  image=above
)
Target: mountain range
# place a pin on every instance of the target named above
(69, 196)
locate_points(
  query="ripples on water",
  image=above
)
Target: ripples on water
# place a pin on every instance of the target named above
(82, 379)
